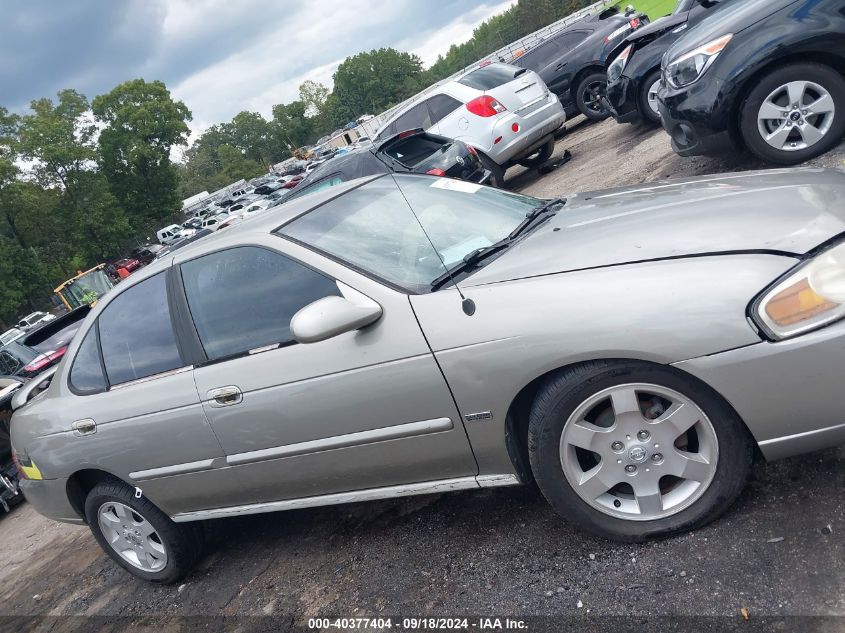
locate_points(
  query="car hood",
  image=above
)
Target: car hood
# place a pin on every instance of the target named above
(782, 211)
(733, 17)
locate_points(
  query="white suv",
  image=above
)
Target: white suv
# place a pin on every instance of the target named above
(507, 113)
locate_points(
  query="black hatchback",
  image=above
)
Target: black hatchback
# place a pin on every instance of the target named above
(409, 151)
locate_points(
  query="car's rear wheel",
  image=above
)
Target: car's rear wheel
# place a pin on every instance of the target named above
(540, 156)
(648, 98)
(588, 96)
(631, 451)
(497, 178)
(794, 113)
(140, 537)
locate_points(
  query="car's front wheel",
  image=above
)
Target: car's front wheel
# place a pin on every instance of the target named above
(139, 536)
(631, 451)
(794, 113)
(648, 98)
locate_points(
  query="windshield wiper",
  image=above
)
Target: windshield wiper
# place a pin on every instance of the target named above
(469, 261)
(472, 258)
(535, 213)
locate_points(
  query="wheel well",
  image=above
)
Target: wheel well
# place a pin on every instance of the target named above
(579, 76)
(516, 426)
(827, 59)
(80, 484)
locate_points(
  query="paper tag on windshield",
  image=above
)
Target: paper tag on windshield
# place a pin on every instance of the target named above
(455, 185)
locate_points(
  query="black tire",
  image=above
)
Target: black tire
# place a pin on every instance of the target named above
(497, 179)
(540, 156)
(824, 76)
(585, 92)
(562, 393)
(182, 542)
(649, 116)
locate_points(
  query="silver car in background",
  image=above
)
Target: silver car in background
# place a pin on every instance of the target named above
(630, 350)
(506, 113)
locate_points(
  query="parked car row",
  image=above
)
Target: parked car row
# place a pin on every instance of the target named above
(767, 76)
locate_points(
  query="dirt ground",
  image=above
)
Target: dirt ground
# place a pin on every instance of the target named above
(779, 552)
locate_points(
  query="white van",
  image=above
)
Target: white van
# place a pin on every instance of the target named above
(173, 233)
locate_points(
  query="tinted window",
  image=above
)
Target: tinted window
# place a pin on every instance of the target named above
(568, 41)
(413, 150)
(86, 375)
(489, 77)
(417, 116)
(136, 333)
(59, 339)
(539, 57)
(244, 298)
(441, 106)
(9, 365)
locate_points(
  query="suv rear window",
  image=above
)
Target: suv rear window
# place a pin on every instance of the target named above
(413, 150)
(489, 77)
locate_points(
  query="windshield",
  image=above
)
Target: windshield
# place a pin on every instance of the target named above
(373, 229)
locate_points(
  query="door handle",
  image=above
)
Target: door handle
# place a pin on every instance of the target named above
(561, 65)
(84, 427)
(225, 396)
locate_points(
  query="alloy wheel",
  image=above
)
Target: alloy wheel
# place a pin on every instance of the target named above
(796, 115)
(593, 94)
(131, 536)
(639, 451)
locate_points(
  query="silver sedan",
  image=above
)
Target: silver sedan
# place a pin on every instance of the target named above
(631, 350)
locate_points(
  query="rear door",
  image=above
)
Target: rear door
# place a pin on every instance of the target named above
(365, 409)
(134, 385)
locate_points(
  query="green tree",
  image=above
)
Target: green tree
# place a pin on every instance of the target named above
(371, 82)
(250, 133)
(142, 124)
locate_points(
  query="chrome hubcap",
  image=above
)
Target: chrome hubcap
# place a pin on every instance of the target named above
(131, 536)
(639, 451)
(652, 97)
(796, 116)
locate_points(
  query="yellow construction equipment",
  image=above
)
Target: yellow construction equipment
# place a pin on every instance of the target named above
(85, 289)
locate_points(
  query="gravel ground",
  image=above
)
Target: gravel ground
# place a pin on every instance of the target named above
(778, 553)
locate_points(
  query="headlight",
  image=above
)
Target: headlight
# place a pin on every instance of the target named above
(808, 298)
(614, 71)
(689, 67)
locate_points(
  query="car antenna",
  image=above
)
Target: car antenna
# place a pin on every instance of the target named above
(468, 305)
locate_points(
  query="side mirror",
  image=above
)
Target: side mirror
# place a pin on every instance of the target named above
(330, 316)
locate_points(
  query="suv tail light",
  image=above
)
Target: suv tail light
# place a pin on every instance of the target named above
(472, 150)
(635, 22)
(45, 359)
(485, 106)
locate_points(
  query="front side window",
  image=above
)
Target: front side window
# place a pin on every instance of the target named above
(372, 227)
(243, 298)
(136, 333)
(86, 374)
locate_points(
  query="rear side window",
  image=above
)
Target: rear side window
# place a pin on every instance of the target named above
(86, 375)
(540, 56)
(489, 77)
(568, 41)
(441, 106)
(136, 333)
(418, 116)
(243, 298)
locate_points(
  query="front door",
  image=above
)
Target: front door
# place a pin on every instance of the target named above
(362, 410)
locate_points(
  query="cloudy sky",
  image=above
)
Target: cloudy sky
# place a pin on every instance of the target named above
(218, 56)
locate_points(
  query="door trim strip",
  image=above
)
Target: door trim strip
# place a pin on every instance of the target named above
(372, 494)
(175, 469)
(411, 429)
